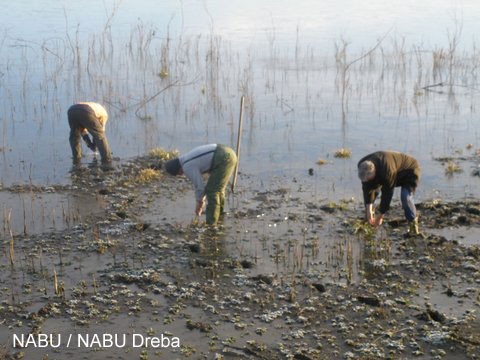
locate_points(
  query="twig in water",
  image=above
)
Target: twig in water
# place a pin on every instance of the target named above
(144, 102)
(433, 85)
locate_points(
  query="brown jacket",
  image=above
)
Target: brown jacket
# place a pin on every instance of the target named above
(392, 169)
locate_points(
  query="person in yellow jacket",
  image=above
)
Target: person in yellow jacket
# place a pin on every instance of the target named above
(88, 118)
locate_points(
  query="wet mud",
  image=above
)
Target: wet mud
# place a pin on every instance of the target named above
(284, 276)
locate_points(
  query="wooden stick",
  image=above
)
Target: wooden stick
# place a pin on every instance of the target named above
(55, 281)
(433, 85)
(239, 136)
(12, 252)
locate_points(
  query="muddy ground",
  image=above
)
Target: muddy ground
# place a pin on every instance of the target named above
(285, 276)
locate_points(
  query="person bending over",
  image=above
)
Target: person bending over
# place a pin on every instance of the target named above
(383, 171)
(217, 160)
(87, 118)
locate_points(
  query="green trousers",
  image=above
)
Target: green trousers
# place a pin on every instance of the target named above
(223, 164)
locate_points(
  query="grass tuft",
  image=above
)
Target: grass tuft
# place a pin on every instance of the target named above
(343, 153)
(452, 168)
(147, 175)
(162, 154)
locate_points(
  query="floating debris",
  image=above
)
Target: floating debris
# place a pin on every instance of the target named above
(452, 168)
(343, 153)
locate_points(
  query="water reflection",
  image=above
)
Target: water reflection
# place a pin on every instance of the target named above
(174, 89)
(34, 212)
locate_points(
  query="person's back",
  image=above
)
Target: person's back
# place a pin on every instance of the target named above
(100, 112)
(394, 168)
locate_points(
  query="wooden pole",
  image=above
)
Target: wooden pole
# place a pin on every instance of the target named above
(239, 136)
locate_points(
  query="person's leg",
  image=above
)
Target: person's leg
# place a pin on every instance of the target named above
(100, 140)
(410, 211)
(222, 203)
(75, 135)
(224, 162)
(408, 204)
(213, 207)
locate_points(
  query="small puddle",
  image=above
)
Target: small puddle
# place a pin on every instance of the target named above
(463, 234)
(35, 213)
(456, 304)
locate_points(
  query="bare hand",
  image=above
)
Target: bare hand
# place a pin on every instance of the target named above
(199, 207)
(378, 220)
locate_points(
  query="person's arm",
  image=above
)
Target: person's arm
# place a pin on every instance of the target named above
(103, 118)
(193, 173)
(387, 194)
(369, 196)
(199, 206)
(91, 144)
(94, 144)
(369, 213)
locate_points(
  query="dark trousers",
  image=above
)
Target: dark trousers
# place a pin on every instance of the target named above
(82, 117)
(406, 196)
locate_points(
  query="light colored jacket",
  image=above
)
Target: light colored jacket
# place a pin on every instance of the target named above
(100, 112)
(197, 162)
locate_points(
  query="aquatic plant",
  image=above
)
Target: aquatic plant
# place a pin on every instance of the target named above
(162, 154)
(363, 227)
(452, 168)
(322, 162)
(147, 175)
(343, 153)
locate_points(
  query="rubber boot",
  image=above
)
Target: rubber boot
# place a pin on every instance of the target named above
(414, 229)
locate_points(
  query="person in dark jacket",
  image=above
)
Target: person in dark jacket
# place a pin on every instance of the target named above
(217, 160)
(383, 171)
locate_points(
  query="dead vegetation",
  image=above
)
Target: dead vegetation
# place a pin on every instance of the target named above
(452, 168)
(147, 175)
(162, 154)
(343, 153)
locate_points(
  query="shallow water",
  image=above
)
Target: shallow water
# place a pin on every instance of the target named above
(33, 213)
(213, 54)
(463, 234)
